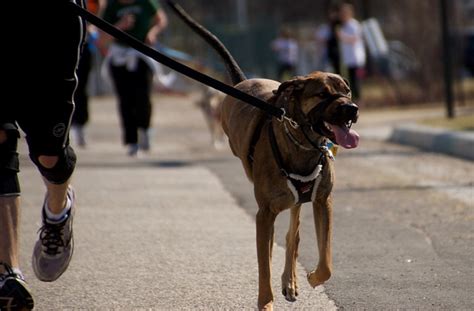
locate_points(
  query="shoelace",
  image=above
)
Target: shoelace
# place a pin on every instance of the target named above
(51, 236)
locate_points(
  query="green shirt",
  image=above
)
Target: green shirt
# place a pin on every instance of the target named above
(144, 11)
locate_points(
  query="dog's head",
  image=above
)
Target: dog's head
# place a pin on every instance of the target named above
(322, 101)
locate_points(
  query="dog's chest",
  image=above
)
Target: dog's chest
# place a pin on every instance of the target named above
(304, 188)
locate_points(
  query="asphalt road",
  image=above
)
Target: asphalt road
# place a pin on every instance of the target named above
(403, 221)
(403, 224)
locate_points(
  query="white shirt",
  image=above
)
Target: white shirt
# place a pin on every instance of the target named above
(353, 53)
(322, 33)
(119, 55)
(287, 50)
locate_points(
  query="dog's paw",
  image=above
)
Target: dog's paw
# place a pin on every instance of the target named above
(290, 291)
(318, 277)
(267, 307)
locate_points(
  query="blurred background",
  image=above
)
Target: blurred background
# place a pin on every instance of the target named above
(409, 69)
(404, 64)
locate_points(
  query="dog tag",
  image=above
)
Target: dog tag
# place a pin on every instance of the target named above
(332, 149)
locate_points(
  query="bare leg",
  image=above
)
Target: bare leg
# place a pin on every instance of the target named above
(9, 221)
(56, 193)
(288, 279)
(14, 292)
(265, 223)
(322, 219)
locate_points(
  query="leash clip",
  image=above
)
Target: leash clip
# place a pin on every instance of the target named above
(292, 122)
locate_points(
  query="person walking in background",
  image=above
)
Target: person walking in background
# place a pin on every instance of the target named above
(81, 97)
(352, 47)
(131, 71)
(286, 49)
(327, 36)
(43, 112)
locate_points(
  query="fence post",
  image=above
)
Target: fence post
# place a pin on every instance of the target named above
(447, 59)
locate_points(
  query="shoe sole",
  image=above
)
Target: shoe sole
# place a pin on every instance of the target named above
(17, 296)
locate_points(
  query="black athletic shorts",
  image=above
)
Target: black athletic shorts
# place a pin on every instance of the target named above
(41, 52)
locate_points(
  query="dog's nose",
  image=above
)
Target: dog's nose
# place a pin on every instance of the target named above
(350, 110)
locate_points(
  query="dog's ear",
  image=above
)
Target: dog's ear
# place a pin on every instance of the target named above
(287, 91)
(289, 86)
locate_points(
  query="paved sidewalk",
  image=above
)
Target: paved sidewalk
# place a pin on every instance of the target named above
(157, 232)
(401, 127)
(455, 143)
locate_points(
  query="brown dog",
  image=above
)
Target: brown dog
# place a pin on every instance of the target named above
(287, 160)
(304, 167)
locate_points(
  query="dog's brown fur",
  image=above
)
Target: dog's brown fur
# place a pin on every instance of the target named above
(270, 186)
(299, 97)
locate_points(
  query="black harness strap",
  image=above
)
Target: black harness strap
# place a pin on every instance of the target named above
(276, 151)
(303, 188)
(171, 63)
(255, 138)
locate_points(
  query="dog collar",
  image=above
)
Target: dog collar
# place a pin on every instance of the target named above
(295, 140)
(327, 147)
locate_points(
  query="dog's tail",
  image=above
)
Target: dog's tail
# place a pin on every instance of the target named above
(236, 74)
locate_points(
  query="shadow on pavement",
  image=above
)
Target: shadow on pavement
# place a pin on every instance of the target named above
(138, 164)
(376, 153)
(404, 188)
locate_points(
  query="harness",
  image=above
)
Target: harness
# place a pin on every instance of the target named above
(303, 188)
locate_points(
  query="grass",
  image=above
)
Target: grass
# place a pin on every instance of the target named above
(378, 92)
(461, 123)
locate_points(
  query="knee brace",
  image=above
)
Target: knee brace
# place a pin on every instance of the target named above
(63, 169)
(9, 163)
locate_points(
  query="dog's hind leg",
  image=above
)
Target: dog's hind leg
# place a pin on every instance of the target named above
(322, 211)
(288, 279)
(265, 224)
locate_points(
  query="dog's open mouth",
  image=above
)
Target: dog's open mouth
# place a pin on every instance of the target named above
(343, 134)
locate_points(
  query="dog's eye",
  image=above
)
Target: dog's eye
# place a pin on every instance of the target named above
(322, 94)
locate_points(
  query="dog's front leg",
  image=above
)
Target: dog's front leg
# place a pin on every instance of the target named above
(288, 278)
(322, 211)
(265, 223)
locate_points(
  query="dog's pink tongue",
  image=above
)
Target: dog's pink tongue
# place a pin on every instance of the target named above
(345, 137)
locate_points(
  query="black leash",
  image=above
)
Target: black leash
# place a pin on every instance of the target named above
(171, 63)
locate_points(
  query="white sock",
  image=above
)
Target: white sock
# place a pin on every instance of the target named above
(16, 271)
(55, 217)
